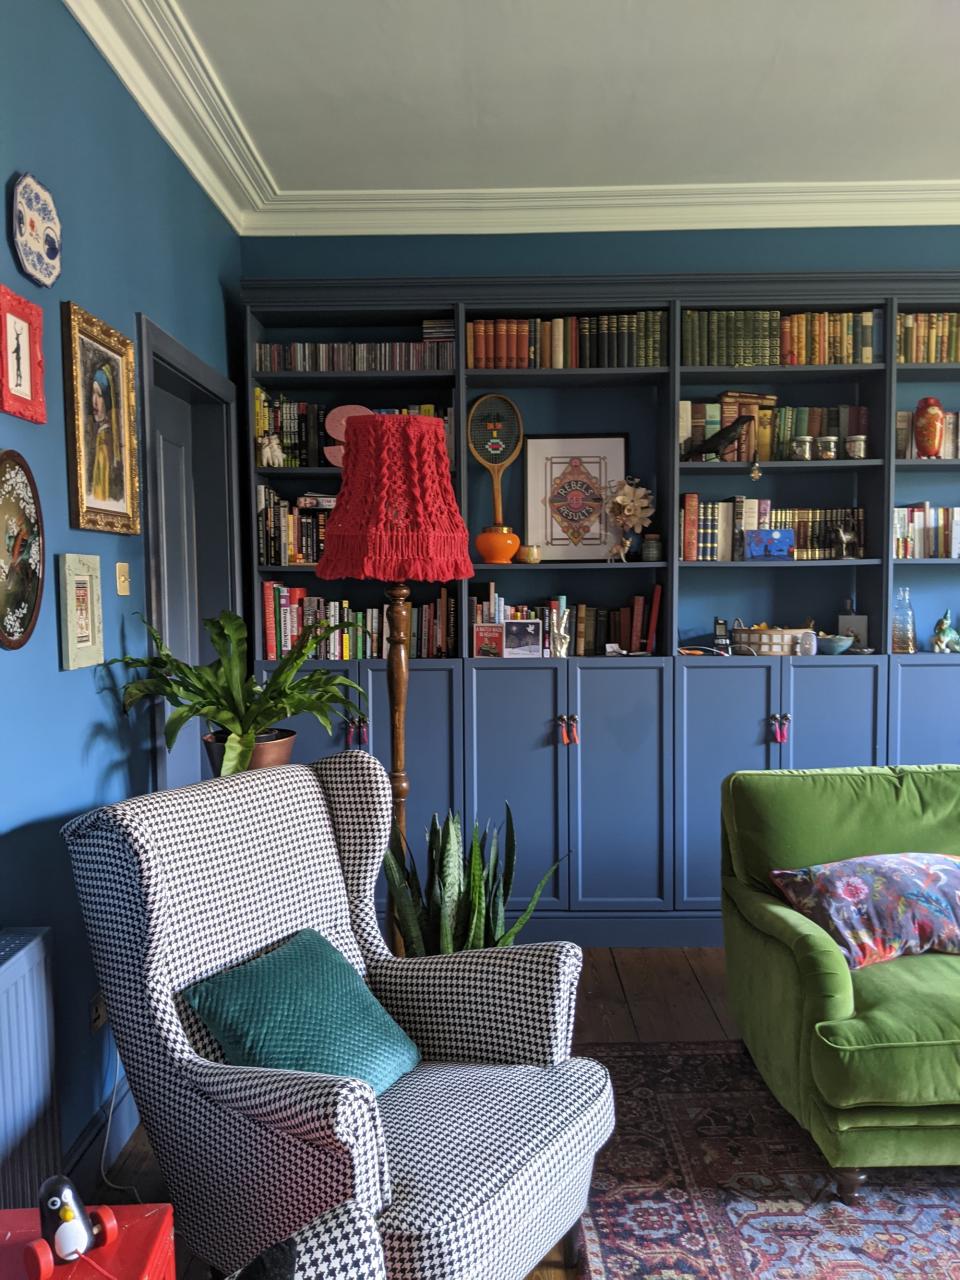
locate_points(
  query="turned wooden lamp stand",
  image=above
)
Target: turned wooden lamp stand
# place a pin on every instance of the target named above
(396, 520)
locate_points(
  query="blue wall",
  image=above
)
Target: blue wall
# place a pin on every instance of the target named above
(610, 253)
(139, 235)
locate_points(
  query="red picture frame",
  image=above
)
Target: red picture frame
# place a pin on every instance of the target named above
(21, 357)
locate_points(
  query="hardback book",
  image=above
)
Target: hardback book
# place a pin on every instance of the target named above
(523, 638)
(488, 639)
(690, 522)
(654, 619)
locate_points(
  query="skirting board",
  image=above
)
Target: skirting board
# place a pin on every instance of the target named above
(668, 929)
(82, 1160)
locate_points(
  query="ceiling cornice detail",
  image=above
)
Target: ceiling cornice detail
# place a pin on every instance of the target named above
(153, 50)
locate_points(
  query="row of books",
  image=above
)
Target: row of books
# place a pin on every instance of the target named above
(768, 337)
(634, 340)
(561, 629)
(928, 337)
(771, 427)
(291, 532)
(431, 355)
(906, 443)
(361, 633)
(925, 532)
(711, 530)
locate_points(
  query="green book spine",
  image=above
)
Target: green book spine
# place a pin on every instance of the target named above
(632, 338)
(623, 339)
(686, 336)
(603, 327)
(739, 344)
(713, 338)
(703, 325)
(594, 356)
(654, 345)
(723, 357)
(584, 341)
(613, 342)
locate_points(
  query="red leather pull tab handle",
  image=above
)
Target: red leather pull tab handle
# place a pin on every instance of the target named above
(364, 733)
(575, 731)
(351, 727)
(564, 735)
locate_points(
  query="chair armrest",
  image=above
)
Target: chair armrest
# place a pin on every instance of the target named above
(342, 1244)
(824, 973)
(333, 1112)
(499, 1004)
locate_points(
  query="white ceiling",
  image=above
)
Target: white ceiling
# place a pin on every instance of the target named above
(332, 116)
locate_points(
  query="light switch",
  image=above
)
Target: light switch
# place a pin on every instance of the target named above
(123, 578)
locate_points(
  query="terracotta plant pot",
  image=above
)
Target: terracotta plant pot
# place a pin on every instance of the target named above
(272, 748)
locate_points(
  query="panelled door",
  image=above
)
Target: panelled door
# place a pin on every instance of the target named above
(837, 709)
(924, 709)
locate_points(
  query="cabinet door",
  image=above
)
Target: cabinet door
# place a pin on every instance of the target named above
(722, 710)
(924, 698)
(313, 742)
(837, 709)
(434, 737)
(513, 754)
(620, 783)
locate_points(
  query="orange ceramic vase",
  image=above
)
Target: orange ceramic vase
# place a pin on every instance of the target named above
(497, 544)
(928, 424)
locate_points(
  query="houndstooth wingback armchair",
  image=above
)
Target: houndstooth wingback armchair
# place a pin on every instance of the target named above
(474, 1164)
(341, 1244)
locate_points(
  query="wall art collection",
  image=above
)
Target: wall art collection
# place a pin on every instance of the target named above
(101, 431)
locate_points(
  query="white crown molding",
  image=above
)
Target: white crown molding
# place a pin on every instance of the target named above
(154, 51)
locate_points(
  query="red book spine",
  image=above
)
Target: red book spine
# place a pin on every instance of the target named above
(511, 344)
(500, 344)
(523, 344)
(654, 618)
(691, 515)
(269, 624)
(636, 623)
(480, 344)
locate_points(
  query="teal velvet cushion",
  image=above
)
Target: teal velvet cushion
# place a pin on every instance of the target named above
(303, 1007)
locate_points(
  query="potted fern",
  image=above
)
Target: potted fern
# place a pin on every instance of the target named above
(244, 712)
(462, 907)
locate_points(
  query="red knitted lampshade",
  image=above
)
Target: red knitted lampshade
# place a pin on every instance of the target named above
(396, 517)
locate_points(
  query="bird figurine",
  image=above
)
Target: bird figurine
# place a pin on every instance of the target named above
(945, 637)
(717, 442)
(64, 1221)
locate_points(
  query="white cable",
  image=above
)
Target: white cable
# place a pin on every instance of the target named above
(106, 1137)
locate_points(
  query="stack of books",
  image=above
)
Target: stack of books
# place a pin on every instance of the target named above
(771, 427)
(361, 633)
(925, 532)
(765, 337)
(291, 532)
(711, 530)
(633, 340)
(928, 337)
(299, 426)
(589, 628)
(434, 353)
(906, 444)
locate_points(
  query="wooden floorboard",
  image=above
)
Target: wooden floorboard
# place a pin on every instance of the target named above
(625, 996)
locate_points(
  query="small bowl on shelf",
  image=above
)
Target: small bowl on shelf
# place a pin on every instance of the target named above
(833, 645)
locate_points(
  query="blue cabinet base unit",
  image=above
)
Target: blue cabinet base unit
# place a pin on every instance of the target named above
(924, 709)
(838, 712)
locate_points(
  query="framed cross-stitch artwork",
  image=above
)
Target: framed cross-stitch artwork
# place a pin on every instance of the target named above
(21, 367)
(81, 612)
(98, 377)
(566, 480)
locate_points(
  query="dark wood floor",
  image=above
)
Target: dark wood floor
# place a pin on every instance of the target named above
(626, 996)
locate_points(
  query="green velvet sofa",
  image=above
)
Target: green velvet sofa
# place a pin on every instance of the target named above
(869, 1061)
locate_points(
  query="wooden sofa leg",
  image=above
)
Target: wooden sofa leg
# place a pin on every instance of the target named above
(571, 1247)
(850, 1182)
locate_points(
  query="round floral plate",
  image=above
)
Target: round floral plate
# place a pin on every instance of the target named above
(36, 230)
(21, 551)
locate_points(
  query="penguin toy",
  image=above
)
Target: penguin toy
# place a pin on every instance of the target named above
(64, 1221)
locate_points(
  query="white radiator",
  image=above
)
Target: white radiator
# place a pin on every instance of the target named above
(29, 1130)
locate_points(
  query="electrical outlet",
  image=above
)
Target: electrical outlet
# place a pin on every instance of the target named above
(98, 1012)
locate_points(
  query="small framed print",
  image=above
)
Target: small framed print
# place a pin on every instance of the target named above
(81, 612)
(523, 638)
(104, 482)
(567, 481)
(21, 346)
(488, 640)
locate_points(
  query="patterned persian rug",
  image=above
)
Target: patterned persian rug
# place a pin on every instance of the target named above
(708, 1178)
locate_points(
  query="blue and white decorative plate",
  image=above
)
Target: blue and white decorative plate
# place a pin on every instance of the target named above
(36, 230)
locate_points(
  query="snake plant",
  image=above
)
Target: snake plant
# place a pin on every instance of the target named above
(467, 888)
(226, 696)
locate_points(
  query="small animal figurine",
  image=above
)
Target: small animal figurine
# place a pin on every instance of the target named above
(945, 636)
(717, 442)
(64, 1221)
(271, 451)
(845, 541)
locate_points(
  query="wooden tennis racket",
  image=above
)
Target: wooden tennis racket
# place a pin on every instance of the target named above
(494, 436)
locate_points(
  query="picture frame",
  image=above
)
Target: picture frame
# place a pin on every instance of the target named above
(21, 357)
(21, 551)
(566, 482)
(102, 461)
(81, 612)
(523, 638)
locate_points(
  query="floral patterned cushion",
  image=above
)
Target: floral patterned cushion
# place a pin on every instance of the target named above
(881, 906)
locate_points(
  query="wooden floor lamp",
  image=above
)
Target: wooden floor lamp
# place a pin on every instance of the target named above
(396, 520)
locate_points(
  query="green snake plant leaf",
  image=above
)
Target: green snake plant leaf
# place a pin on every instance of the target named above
(477, 891)
(506, 939)
(236, 753)
(496, 921)
(433, 855)
(450, 876)
(403, 901)
(509, 854)
(492, 862)
(446, 923)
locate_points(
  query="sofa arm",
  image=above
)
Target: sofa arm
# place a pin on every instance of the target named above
(498, 1004)
(343, 1244)
(333, 1112)
(824, 973)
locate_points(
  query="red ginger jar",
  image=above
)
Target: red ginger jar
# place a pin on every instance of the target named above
(928, 424)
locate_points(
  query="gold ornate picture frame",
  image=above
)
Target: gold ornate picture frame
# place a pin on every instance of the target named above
(101, 414)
